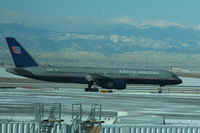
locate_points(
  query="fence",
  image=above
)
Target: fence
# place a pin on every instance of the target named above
(65, 128)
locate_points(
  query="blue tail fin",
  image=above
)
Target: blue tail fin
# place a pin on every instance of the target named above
(20, 56)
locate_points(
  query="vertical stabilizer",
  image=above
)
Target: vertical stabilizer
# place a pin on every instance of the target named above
(20, 56)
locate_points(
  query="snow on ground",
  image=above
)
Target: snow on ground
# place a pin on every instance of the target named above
(190, 81)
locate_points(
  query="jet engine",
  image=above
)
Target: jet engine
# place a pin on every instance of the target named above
(114, 84)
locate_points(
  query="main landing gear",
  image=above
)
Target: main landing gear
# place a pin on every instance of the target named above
(90, 89)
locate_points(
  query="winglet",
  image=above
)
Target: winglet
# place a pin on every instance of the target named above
(20, 56)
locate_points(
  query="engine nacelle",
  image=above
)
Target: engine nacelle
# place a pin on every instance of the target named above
(114, 84)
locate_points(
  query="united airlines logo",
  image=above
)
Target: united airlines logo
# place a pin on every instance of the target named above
(16, 49)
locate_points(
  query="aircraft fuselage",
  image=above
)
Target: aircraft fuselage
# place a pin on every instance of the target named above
(80, 74)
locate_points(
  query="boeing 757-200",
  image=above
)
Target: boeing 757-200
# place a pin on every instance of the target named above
(109, 78)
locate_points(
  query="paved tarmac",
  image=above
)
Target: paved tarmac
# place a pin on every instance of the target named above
(138, 104)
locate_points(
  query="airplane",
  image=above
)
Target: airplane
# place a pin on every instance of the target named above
(108, 78)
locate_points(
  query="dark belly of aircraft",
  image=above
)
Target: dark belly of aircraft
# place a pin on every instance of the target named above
(83, 80)
(161, 82)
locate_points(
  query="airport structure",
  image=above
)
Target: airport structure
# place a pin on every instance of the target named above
(65, 128)
(48, 120)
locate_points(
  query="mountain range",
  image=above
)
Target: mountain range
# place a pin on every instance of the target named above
(118, 44)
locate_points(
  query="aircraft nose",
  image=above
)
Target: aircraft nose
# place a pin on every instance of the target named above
(179, 81)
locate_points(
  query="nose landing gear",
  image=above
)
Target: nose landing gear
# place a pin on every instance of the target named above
(160, 88)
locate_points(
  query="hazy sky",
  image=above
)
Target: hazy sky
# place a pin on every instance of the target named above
(89, 12)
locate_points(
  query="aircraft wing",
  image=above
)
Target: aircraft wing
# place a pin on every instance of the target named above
(98, 79)
(107, 82)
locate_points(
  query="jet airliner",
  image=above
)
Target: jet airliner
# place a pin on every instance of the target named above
(108, 78)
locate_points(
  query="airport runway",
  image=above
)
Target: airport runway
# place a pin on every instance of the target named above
(138, 105)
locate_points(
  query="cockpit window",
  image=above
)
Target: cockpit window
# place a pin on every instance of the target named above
(174, 76)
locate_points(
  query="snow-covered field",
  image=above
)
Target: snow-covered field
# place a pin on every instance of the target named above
(140, 107)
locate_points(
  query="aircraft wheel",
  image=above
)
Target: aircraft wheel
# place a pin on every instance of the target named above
(159, 91)
(91, 90)
(95, 90)
(87, 89)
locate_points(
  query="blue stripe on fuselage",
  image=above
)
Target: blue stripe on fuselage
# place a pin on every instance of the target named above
(83, 80)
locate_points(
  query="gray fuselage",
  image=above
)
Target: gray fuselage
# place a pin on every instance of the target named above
(82, 74)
